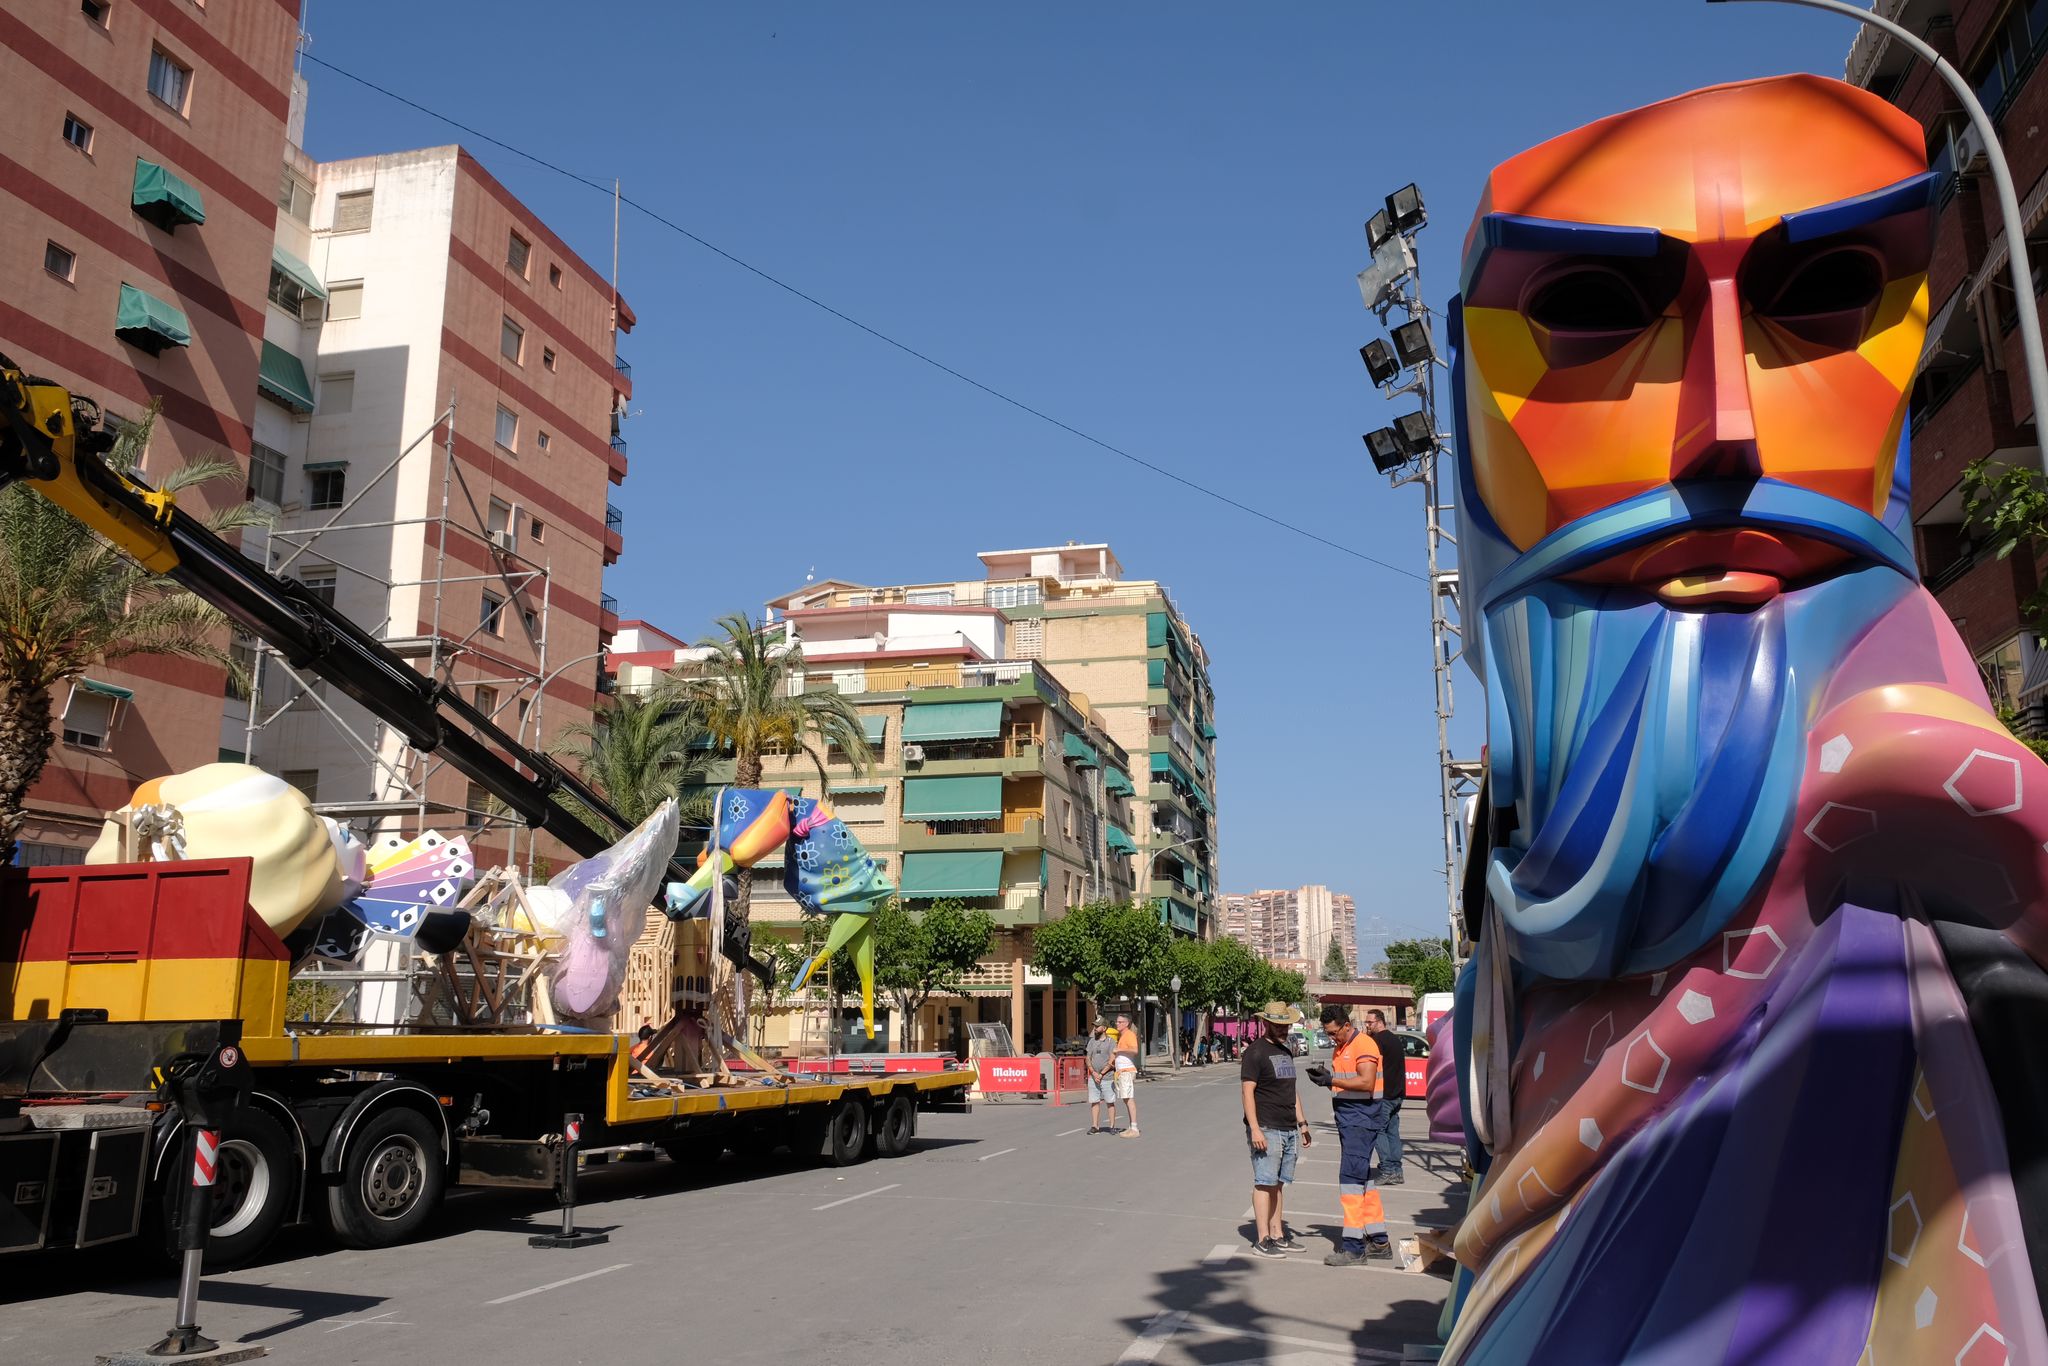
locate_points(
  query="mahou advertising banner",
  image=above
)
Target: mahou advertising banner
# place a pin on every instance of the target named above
(1010, 1074)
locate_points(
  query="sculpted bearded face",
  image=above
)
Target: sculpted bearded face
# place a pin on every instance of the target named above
(1727, 286)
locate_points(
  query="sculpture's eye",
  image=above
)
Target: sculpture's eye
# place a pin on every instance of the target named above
(1841, 280)
(1587, 299)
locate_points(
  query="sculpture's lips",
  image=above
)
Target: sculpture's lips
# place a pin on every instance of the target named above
(1740, 566)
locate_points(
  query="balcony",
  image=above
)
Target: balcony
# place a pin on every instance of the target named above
(622, 377)
(618, 444)
(1028, 833)
(1011, 758)
(1021, 906)
(607, 615)
(614, 534)
(620, 368)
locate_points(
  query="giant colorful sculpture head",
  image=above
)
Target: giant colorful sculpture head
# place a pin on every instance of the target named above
(1751, 835)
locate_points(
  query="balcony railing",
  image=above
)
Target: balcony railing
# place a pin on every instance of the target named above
(607, 604)
(614, 520)
(618, 443)
(619, 365)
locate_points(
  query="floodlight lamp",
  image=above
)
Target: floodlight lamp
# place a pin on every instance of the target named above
(1379, 361)
(1413, 433)
(1411, 343)
(1378, 229)
(1385, 449)
(1404, 207)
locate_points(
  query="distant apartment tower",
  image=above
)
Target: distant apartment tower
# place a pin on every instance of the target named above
(1295, 926)
(1121, 645)
(430, 287)
(137, 211)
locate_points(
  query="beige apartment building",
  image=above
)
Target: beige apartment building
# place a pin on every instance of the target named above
(138, 201)
(993, 785)
(1293, 928)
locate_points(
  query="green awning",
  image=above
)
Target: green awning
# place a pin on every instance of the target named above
(148, 322)
(164, 199)
(1080, 751)
(1166, 766)
(841, 789)
(874, 727)
(1155, 673)
(971, 873)
(282, 376)
(1199, 800)
(1119, 842)
(113, 690)
(1208, 730)
(953, 799)
(297, 271)
(1155, 629)
(924, 721)
(325, 466)
(1114, 782)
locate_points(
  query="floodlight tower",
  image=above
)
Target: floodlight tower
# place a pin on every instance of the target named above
(1406, 452)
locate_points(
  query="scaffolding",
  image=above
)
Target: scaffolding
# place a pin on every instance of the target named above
(403, 777)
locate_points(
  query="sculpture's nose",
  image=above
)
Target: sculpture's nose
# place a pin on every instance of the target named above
(1716, 436)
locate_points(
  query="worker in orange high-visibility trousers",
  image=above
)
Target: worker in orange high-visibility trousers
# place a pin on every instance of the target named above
(1358, 1095)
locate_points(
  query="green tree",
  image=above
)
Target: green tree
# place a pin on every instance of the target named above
(1335, 969)
(1422, 965)
(750, 699)
(1236, 974)
(919, 953)
(2006, 507)
(70, 601)
(637, 753)
(1109, 949)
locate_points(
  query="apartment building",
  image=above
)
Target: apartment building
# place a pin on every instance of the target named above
(1122, 644)
(440, 436)
(992, 784)
(1294, 928)
(137, 203)
(1970, 399)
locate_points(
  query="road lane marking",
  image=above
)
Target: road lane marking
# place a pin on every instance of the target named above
(835, 1204)
(1066, 1132)
(1224, 1252)
(557, 1285)
(995, 1155)
(1152, 1341)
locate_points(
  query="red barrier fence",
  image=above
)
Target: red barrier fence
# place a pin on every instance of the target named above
(1069, 1074)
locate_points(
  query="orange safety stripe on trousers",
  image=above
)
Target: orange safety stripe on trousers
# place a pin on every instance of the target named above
(1362, 1209)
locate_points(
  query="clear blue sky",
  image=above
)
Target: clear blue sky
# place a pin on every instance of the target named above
(1141, 218)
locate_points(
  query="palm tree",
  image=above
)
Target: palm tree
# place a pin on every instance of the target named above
(69, 601)
(638, 753)
(750, 699)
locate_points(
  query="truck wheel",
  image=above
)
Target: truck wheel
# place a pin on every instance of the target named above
(895, 1127)
(391, 1179)
(254, 1180)
(847, 1143)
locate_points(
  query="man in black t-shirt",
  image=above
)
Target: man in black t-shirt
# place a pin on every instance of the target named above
(1393, 1067)
(1274, 1125)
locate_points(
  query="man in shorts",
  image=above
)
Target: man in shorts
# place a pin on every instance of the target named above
(1101, 1083)
(1126, 1075)
(1274, 1125)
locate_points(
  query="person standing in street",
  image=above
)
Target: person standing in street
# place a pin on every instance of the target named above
(1126, 1075)
(1394, 1073)
(1101, 1078)
(1356, 1094)
(1275, 1126)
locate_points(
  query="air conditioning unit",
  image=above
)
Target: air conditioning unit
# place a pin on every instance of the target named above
(1970, 156)
(913, 754)
(505, 539)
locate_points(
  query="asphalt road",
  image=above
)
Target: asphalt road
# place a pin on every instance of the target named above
(1009, 1235)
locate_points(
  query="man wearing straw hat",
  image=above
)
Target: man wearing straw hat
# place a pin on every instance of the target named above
(1275, 1126)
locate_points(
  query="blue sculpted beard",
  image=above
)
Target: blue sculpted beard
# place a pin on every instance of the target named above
(1653, 757)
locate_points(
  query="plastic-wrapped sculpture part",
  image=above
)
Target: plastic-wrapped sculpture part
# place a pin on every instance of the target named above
(598, 908)
(231, 811)
(1748, 1045)
(1446, 1110)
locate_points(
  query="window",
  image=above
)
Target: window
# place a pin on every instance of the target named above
(320, 583)
(1015, 594)
(487, 700)
(306, 780)
(547, 357)
(492, 615)
(352, 210)
(243, 650)
(508, 428)
(295, 195)
(78, 133)
(516, 252)
(478, 802)
(929, 597)
(538, 531)
(95, 11)
(345, 302)
(555, 276)
(511, 341)
(169, 79)
(543, 440)
(337, 394)
(326, 488)
(58, 261)
(2003, 668)
(524, 707)
(532, 620)
(287, 293)
(88, 717)
(266, 474)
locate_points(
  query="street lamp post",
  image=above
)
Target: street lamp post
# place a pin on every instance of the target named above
(2001, 178)
(533, 715)
(1173, 1038)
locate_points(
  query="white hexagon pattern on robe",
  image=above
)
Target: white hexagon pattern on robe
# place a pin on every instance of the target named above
(1838, 825)
(1986, 784)
(1965, 1244)
(1986, 1347)
(1730, 948)
(1696, 1009)
(1905, 1229)
(1834, 754)
(1644, 1064)
(1529, 1178)
(1590, 1135)
(1923, 1308)
(1599, 1036)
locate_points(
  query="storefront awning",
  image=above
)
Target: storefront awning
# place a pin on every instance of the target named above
(143, 320)
(962, 874)
(952, 721)
(1119, 842)
(164, 199)
(1080, 751)
(978, 798)
(282, 376)
(113, 690)
(297, 271)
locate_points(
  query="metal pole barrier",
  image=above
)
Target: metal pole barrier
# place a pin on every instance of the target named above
(572, 1135)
